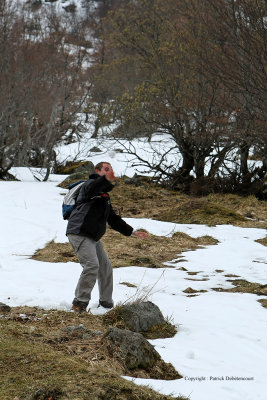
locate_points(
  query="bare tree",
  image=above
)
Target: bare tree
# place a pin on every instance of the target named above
(237, 35)
(44, 84)
(170, 92)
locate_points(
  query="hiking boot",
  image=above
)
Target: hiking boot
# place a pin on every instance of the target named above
(105, 304)
(79, 306)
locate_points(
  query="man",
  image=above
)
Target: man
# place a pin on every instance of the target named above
(86, 226)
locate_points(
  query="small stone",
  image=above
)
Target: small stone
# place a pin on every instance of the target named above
(98, 333)
(86, 336)
(95, 150)
(76, 331)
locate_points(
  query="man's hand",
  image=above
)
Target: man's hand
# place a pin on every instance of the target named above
(140, 234)
(110, 176)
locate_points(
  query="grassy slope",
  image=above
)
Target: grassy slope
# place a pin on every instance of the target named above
(39, 360)
(148, 201)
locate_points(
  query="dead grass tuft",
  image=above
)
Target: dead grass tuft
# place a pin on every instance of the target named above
(263, 302)
(128, 284)
(262, 241)
(189, 290)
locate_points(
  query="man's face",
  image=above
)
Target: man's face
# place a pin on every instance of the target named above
(107, 170)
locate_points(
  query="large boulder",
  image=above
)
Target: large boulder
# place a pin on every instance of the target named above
(80, 171)
(136, 351)
(70, 167)
(141, 317)
(74, 178)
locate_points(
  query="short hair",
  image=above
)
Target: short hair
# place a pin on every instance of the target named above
(99, 165)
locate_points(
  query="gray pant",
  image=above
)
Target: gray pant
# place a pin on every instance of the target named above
(96, 266)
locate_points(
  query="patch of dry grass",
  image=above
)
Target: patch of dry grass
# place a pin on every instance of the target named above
(39, 360)
(262, 241)
(263, 302)
(243, 286)
(55, 252)
(150, 201)
(125, 251)
(189, 290)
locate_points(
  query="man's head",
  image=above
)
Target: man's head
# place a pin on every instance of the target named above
(105, 168)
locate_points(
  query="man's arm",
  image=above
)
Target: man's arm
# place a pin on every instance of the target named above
(96, 186)
(118, 224)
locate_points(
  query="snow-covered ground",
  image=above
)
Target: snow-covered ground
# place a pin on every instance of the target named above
(221, 344)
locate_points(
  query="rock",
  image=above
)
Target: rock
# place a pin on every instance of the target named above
(71, 8)
(77, 331)
(9, 177)
(95, 150)
(97, 333)
(77, 176)
(36, 3)
(72, 167)
(4, 308)
(85, 167)
(136, 351)
(141, 317)
(138, 180)
(46, 394)
(82, 171)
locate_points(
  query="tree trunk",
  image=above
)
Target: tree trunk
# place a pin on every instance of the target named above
(48, 169)
(188, 164)
(199, 165)
(97, 126)
(244, 151)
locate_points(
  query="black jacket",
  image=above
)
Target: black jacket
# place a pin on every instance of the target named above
(93, 210)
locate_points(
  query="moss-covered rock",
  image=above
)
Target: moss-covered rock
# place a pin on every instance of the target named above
(136, 350)
(75, 166)
(142, 317)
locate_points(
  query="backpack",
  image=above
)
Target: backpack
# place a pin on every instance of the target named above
(69, 201)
